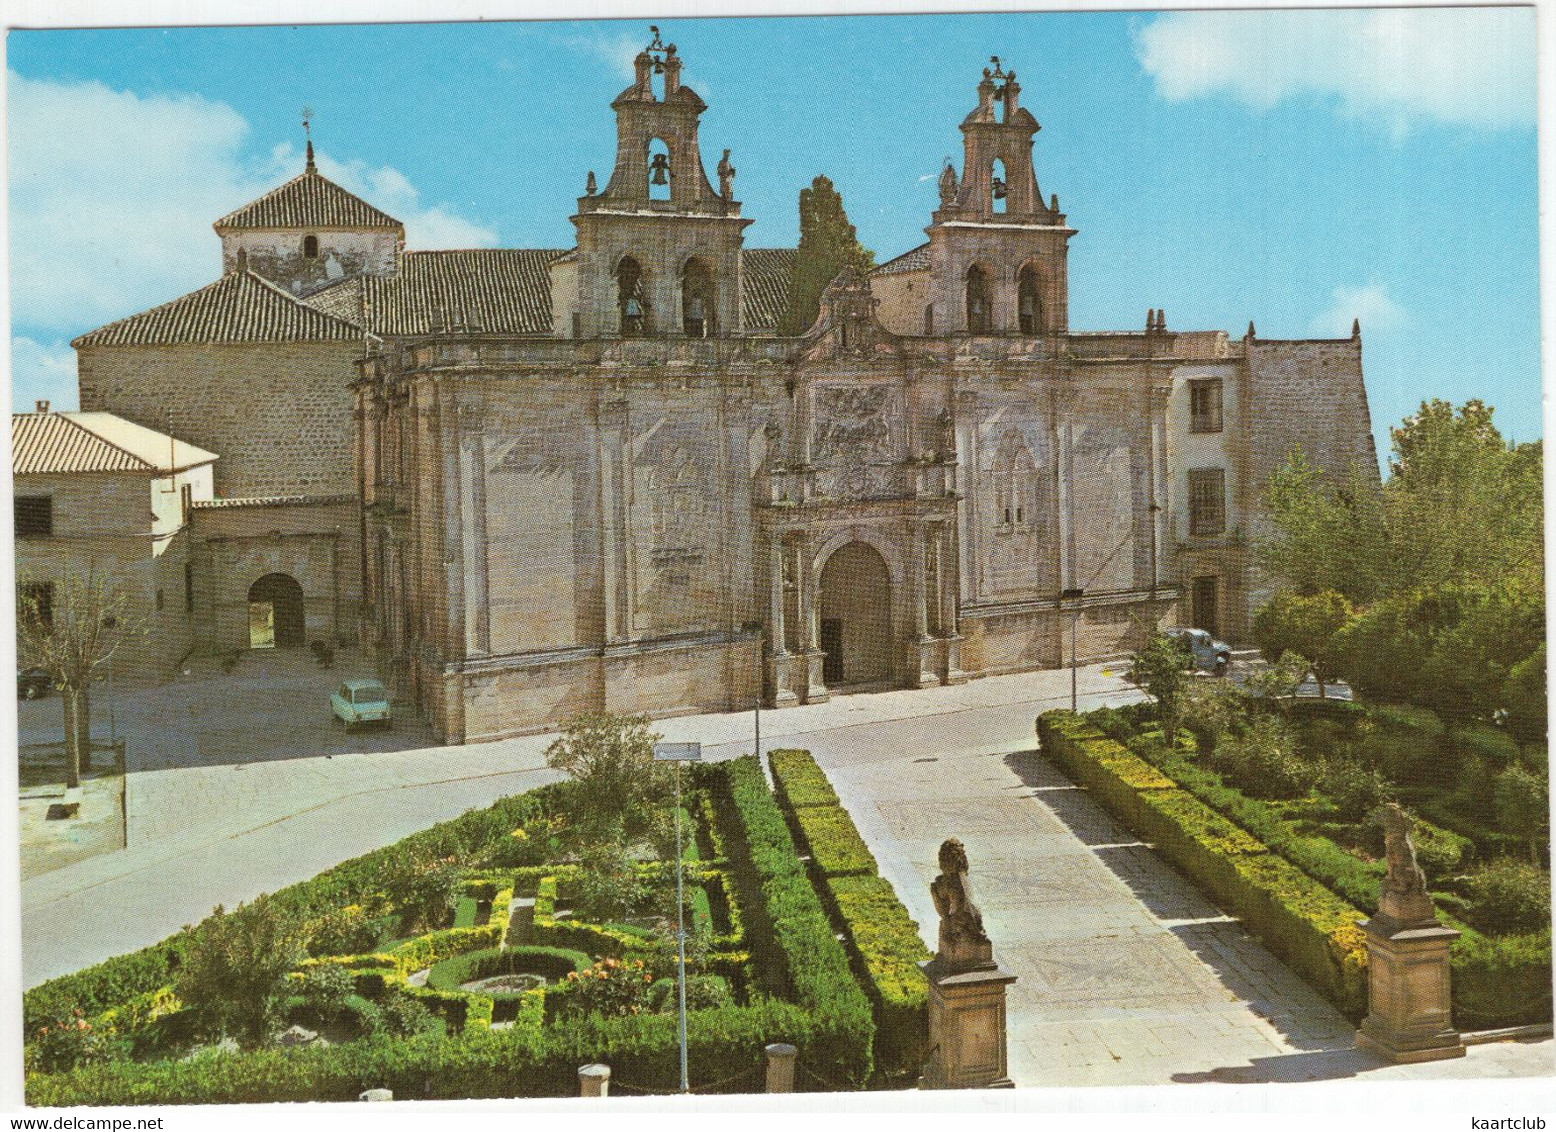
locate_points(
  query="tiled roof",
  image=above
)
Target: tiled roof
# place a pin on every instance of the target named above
(308, 201)
(238, 307)
(507, 291)
(48, 443)
(769, 272)
(915, 260)
(498, 291)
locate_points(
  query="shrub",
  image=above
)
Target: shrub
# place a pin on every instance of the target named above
(833, 842)
(235, 969)
(886, 945)
(402, 1016)
(1355, 790)
(422, 888)
(324, 990)
(611, 759)
(1523, 804)
(609, 887)
(1491, 745)
(1524, 698)
(799, 781)
(1509, 897)
(68, 1041)
(555, 963)
(346, 931)
(703, 992)
(1501, 982)
(610, 988)
(1263, 759)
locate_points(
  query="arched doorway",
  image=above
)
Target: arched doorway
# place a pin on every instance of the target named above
(855, 615)
(276, 613)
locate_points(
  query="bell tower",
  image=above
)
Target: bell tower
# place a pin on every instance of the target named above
(659, 247)
(997, 252)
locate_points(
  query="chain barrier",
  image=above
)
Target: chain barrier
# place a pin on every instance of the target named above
(708, 1088)
(831, 1086)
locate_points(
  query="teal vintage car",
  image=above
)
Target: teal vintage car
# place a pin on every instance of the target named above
(361, 701)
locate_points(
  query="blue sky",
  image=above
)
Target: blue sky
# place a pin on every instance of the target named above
(1297, 169)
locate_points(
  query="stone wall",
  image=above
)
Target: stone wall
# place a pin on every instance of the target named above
(315, 544)
(278, 414)
(277, 254)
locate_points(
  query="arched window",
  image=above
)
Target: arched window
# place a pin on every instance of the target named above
(310, 247)
(629, 298)
(658, 170)
(1029, 301)
(999, 186)
(978, 314)
(1015, 482)
(697, 300)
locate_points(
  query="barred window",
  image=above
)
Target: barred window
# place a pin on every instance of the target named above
(1207, 501)
(1205, 405)
(34, 516)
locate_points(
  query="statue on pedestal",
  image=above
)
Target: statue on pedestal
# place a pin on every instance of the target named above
(1403, 898)
(964, 945)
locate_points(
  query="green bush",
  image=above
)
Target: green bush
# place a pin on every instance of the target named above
(233, 974)
(1355, 790)
(885, 942)
(828, 834)
(1501, 982)
(1509, 897)
(324, 991)
(799, 781)
(1493, 746)
(552, 962)
(1263, 760)
(703, 992)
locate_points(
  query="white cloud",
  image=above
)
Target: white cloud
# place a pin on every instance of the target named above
(113, 195)
(619, 51)
(1398, 67)
(39, 371)
(1371, 304)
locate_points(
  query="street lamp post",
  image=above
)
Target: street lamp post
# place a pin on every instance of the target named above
(679, 753)
(1075, 616)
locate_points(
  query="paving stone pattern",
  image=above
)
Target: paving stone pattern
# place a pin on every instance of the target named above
(1126, 974)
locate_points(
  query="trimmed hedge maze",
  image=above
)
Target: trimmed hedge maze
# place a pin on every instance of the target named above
(768, 964)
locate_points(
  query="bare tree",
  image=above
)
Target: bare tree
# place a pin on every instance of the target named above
(69, 629)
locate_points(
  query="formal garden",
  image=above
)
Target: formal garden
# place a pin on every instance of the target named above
(1425, 597)
(495, 954)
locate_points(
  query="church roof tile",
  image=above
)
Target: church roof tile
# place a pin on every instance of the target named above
(238, 307)
(309, 200)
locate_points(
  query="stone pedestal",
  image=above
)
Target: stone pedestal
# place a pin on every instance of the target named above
(966, 1027)
(1408, 1016)
(780, 1067)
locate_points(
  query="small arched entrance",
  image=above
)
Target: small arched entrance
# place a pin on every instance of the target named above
(276, 613)
(855, 616)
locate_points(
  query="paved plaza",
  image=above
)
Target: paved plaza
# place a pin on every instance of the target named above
(1127, 976)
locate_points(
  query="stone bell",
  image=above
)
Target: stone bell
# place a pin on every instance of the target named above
(999, 189)
(659, 168)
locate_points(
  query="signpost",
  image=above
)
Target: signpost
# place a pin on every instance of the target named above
(679, 753)
(1075, 616)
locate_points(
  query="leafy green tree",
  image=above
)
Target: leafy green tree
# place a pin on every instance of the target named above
(1327, 536)
(234, 971)
(619, 784)
(828, 244)
(1524, 698)
(1162, 667)
(1523, 806)
(1306, 626)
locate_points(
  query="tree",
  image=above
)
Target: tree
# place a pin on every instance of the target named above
(1523, 806)
(234, 970)
(1327, 535)
(1524, 697)
(1162, 667)
(827, 245)
(612, 759)
(1307, 626)
(70, 634)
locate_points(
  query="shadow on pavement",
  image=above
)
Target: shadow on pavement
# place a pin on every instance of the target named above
(1237, 960)
(1320, 1065)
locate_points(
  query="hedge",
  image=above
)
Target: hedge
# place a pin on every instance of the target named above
(883, 939)
(97, 988)
(814, 963)
(597, 939)
(552, 962)
(799, 781)
(1305, 924)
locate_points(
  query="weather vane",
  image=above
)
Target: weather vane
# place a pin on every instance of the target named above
(307, 118)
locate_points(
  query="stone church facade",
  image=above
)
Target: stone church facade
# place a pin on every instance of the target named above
(598, 478)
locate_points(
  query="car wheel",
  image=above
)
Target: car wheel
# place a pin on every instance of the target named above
(1222, 664)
